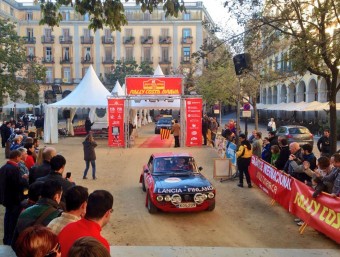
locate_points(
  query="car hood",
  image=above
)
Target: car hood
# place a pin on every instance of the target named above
(191, 183)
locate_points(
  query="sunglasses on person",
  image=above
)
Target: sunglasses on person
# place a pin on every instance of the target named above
(54, 252)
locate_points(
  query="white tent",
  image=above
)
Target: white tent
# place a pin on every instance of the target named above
(158, 72)
(117, 89)
(18, 106)
(90, 93)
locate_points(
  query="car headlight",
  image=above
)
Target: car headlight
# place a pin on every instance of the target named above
(159, 198)
(211, 195)
(167, 198)
(199, 198)
(176, 199)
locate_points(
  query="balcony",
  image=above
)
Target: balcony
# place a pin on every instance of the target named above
(86, 40)
(146, 40)
(64, 60)
(108, 60)
(47, 40)
(107, 40)
(67, 80)
(48, 81)
(128, 40)
(47, 59)
(164, 40)
(29, 40)
(148, 60)
(185, 60)
(187, 40)
(128, 59)
(87, 60)
(65, 39)
(164, 60)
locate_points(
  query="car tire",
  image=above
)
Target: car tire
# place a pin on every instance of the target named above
(143, 185)
(211, 206)
(151, 207)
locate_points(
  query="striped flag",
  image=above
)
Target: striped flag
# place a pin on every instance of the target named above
(165, 133)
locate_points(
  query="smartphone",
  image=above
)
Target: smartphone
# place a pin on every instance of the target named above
(68, 174)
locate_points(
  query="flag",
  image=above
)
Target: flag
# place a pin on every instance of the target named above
(165, 133)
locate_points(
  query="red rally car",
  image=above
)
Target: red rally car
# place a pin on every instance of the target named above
(173, 183)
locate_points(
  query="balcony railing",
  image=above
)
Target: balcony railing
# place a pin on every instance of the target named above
(185, 60)
(64, 60)
(165, 40)
(128, 59)
(107, 40)
(128, 40)
(163, 60)
(65, 39)
(146, 40)
(86, 40)
(87, 60)
(47, 59)
(147, 60)
(31, 58)
(187, 40)
(47, 40)
(107, 60)
(29, 40)
(48, 81)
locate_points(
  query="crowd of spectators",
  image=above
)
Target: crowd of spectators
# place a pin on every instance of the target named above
(46, 213)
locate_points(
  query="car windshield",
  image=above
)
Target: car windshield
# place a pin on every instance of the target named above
(167, 121)
(298, 131)
(174, 164)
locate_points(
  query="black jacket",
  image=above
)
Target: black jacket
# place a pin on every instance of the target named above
(39, 171)
(283, 157)
(88, 125)
(323, 144)
(89, 153)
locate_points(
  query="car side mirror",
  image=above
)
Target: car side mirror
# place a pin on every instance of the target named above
(200, 168)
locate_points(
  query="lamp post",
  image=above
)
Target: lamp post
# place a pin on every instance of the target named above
(41, 109)
(15, 111)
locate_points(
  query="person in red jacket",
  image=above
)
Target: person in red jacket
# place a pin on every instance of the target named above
(98, 213)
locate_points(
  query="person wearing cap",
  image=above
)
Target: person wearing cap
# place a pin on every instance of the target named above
(243, 155)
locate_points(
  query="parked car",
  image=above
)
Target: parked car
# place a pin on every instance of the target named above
(31, 117)
(174, 183)
(164, 122)
(299, 134)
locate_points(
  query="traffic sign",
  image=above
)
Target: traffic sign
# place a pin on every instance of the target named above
(246, 107)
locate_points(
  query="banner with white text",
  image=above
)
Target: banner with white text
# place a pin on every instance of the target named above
(193, 121)
(272, 181)
(116, 122)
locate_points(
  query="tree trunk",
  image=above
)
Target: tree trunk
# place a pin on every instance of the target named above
(332, 116)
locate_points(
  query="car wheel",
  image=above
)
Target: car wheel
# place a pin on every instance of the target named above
(143, 184)
(211, 206)
(151, 207)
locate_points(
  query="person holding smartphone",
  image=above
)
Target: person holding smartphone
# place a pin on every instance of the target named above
(89, 155)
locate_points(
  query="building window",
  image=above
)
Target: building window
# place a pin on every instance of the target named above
(66, 16)
(66, 53)
(129, 54)
(186, 16)
(146, 32)
(186, 54)
(147, 54)
(164, 32)
(67, 74)
(86, 17)
(129, 15)
(108, 35)
(108, 54)
(30, 52)
(276, 63)
(87, 53)
(29, 16)
(186, 33)
(49, 75)
(66, 34)
(48, 54)
(165, 54)
(11, 11)
(128, 32)
(29, 34)
(146, 16)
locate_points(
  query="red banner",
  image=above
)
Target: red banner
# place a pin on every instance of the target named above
(153, 86)
(193, 121)
(321, 213)
(270, 180)
(116, 122)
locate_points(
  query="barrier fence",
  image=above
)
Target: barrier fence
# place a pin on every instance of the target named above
(321, 213)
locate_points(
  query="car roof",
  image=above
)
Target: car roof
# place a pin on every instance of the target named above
(171, 154)
(293, 126)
